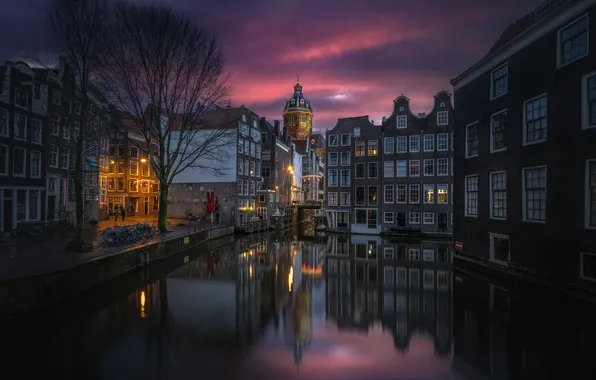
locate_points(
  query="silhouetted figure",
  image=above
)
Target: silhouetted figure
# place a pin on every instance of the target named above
(115, 214)
(123, 212)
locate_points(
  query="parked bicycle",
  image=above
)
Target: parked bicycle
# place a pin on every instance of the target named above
(129, 234)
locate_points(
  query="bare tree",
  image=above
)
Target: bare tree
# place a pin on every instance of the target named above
(167, 74)
(78, 25)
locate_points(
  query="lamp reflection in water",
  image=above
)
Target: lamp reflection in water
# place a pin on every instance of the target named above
(143, 300)
(291, 279)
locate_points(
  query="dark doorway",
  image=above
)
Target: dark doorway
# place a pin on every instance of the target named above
(146, 205)
(51, 207)
(7, 211)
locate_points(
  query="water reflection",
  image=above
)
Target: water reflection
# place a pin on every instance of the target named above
(330, 307)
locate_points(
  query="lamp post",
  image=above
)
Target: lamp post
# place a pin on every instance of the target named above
(291, 173)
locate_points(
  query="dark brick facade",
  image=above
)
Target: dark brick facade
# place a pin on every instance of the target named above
(522, 193)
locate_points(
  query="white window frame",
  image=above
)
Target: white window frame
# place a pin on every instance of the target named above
(341, 175)
(57, 156)
(38, 164)
(585, 105)
(491, 195)
(356, 131)
(341, 158)
(386, 173)
(356, 195)
(411, 188)
(24, 162)
(524, 121)
(410, 169)
(445, 187)
(414, 215)
(523, 188)
(491, 236)
(330, 196)
(333, 184)
(7, 123)
(341, 198)
(331, 139)
(26, 107)
(32, 121)
(475, 123)
(438, 165)
(492, 81)
(430, 138)
(560, 63)
(329, 161)
(387, 140)
(388, 253)
(405, 141)
(492, 150)
(466, 200)
(391, 220)
(14, 135)
(56, 96)
(356, 170)
(397, 168)
(412, 137)
(443, 118)
(587, 199)
(401, 121)
(424, 188)
(581, 266)
(401, 187)
(349, 139)
(431, 161)
(368, 170)
(431, 220)
(442, 136)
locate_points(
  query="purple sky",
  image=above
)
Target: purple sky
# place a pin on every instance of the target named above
(353, 56)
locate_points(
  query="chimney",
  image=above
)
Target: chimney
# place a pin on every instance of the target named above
(276, 127)
(372, 122)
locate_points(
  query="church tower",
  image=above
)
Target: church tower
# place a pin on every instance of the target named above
(297, 115)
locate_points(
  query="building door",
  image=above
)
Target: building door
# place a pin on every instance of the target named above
(7, 211)
(51, 207)
(146, 205)
(442, 223)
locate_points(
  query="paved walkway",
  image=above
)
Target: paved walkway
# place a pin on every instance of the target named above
(34, 255)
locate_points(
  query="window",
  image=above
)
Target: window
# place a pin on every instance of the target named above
(442, 193)
(3, 122)
(332, 178)
(388, 169)
(76, 107)
(145, 169)
(120, 184)
(21, 98)
(19, 162)
(373, 169)
(587, 266)
(252, 169)
(360, 171)
(401, 219)
(20, 127)
(332, 158)
(388, 148)
(499, 81)
(360, 149)
(356, 131)
(535, 120)
(56, 99)
(266, 172)
(257, 169)
(388, 252)
(499, 248)
(402, 121)
(345, 158)
(133, 185)
(373, 147)
(360, 198)
(591, 193)
(400, 191)
(53, 156)
(3, 160)
(36, 131)
(64, 159)
(498, 129)
(345, 178)
(240, 163)
(402, 146)
(35, 164)
(371, 219)
(372, 195)
(442, 166)
(471, 202)
(414, 143)
(66, 129)
(414, 168)
(573, 41)
(452, 166)
(429, 218)
(534, 196)
(443, 118)
(389, 195)
(134, 168)
(34, 205)
(429, 167)
(240, 145)
(332, 199)
(498, 195)
(414, 193)
(253, 149)
(134, 152)
(414, 218)
(443, 142)
(56, 125)
(345, 199)
(346, 139)
(429, 143)
(246, 148)
(239, 185)
(472, 140)
(429, 193)
(402, 168)
(388, 218)
(246, 169)
(332, 140)
(588, 100)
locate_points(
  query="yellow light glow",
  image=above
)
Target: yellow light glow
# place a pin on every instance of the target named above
(143, 160)
(291, 279)
(290, 168)
(250, 271)
(112, 162)
(143, 300)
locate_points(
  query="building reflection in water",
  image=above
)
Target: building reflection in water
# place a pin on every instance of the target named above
(404, 286)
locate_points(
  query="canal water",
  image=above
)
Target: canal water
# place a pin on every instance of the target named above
(278, 306)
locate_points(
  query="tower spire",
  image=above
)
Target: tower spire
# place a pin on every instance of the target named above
(298, 78)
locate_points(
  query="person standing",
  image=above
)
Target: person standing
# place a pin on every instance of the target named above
(116, 214)
(123, 212)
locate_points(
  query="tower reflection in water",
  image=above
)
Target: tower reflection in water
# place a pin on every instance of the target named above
(404, 287)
